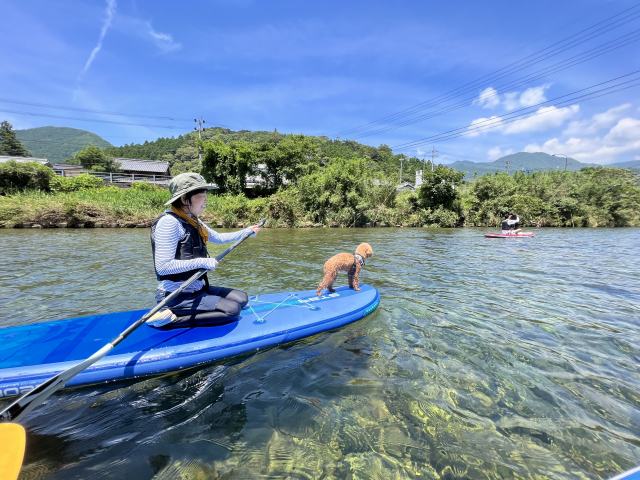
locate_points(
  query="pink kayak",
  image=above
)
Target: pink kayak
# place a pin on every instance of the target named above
(509, 235)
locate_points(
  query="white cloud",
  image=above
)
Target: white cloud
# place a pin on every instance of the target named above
(620, 143)
(544, 119)
(488, 98)
(597, 122)
(529, 97)
(106, 24)
(497, 152)
(144, 30)
(533, 96)
(163, 41)
(626, 130)
(477, 126)
(511, 101)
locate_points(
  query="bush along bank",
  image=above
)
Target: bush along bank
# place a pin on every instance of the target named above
(343, 193)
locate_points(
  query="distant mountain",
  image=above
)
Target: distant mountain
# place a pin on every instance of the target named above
(523, 161)
(58, 144)
(632, 165)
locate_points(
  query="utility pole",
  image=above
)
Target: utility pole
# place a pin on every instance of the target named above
(560, 155)
(199, 128)
(434, 154)
(506, 165)
(401, 160)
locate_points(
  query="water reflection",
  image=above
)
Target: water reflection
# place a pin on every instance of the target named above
(487, 358)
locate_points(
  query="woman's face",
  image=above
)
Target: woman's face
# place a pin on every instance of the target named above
(198, 204)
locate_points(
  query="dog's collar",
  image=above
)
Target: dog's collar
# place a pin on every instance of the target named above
(359, 259)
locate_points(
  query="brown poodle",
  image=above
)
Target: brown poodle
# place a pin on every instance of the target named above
(345, 262)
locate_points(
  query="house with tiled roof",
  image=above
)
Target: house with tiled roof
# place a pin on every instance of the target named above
(136, 165)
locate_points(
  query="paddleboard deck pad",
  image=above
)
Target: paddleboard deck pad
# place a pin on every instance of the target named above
(509, 235)
(31, 354)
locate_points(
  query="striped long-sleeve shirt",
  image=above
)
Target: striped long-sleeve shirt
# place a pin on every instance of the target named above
(167, 234)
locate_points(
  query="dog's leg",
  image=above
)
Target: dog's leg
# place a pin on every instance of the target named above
(331, 277)
(321, 286)
(355, 283)
(326, 282)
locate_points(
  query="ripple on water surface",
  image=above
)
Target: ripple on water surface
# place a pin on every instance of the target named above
(487, 358)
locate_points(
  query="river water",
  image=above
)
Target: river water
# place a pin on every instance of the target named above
(487, 358)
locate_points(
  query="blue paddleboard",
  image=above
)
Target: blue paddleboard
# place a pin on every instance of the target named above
(32, 354)
(633, 474)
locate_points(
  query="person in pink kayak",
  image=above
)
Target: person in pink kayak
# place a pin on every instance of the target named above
(510, 224)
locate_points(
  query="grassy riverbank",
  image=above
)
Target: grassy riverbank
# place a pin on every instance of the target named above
(114, 207)
(342, 195)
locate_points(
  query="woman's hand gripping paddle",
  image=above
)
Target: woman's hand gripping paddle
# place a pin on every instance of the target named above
(39, 394)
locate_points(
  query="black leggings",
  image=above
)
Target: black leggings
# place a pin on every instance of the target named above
(208, 307)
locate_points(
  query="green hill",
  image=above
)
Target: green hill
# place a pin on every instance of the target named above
(181, 151)
(522, 161)
(58, 144)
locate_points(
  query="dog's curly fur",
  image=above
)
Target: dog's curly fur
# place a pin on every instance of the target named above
(344, 262)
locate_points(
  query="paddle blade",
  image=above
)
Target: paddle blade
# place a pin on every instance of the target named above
(13, 439)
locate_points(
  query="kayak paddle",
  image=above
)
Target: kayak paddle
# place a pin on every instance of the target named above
(13, 439)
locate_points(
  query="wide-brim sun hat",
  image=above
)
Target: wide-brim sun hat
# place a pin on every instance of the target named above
(185, 183)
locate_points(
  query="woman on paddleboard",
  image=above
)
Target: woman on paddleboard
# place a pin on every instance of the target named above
(179, 245)
(510, 224)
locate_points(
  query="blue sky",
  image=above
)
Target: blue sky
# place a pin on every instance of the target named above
(332, 68)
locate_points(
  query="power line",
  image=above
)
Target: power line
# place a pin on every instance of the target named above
(64, 141)
(524, 109)
(512, 116)
(497, 121)
(456, 156)
(112, 122)
(491, 77)
(102, 112)
(563, 65)
(594, 31)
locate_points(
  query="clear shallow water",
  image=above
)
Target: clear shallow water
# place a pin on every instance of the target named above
(487, 358)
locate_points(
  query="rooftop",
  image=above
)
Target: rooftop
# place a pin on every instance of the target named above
(139, 165)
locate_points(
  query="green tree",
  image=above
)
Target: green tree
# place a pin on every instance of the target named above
(9, 143)
(228, 164)
(94, 158)
(591, 197)
(337, 193)
(439, 187)
(16, 177)
(286, 158)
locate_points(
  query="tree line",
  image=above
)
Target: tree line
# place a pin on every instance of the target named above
(318, 181)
